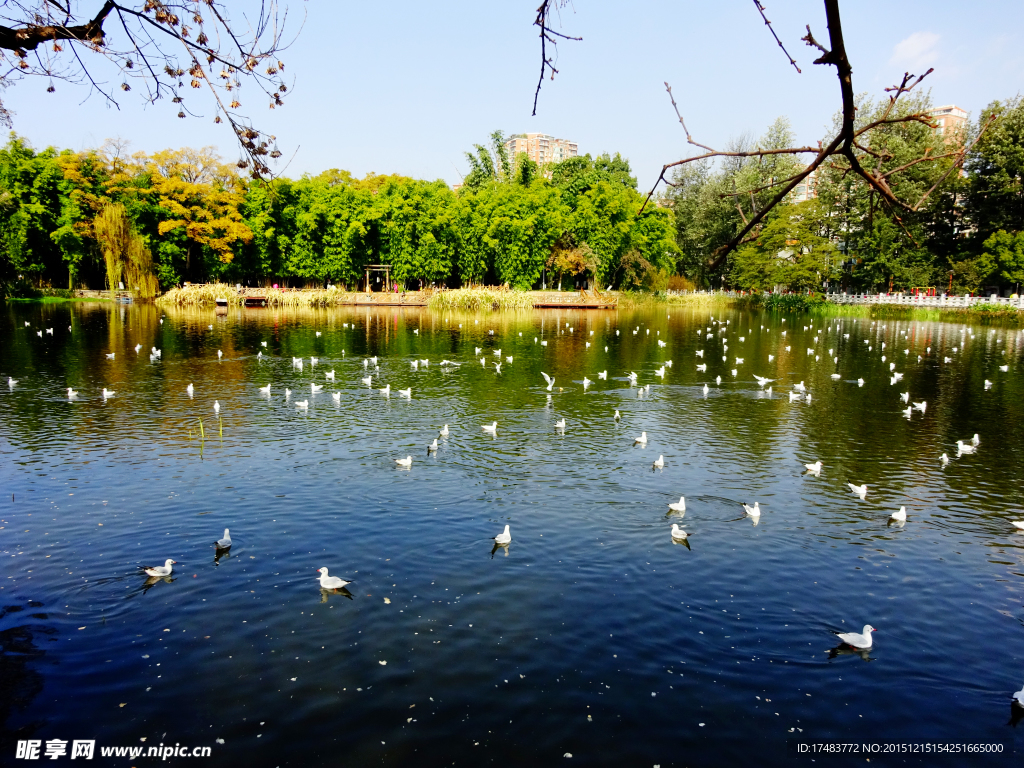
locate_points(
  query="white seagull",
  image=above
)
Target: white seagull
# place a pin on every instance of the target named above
(860, 490)
(432, 447)
(314, 388)
(754, 511)
(444, 431)
(386, 391)
(678, 506)
(857, 640)
(560, 424)
(160, 570)
(642, 440)
(265, 390)
(108, 393)
(503, 538)
(678, 533)
(72, 394)
(659, 463)
(814, 468)
(900, 516)
(331, 582)
(406, 462)
(492, 428)
(549, 379)
(224, 543)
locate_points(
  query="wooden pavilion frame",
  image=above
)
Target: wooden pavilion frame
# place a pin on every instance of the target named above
(385, 268)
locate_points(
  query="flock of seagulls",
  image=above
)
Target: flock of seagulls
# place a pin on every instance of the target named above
(799, 393)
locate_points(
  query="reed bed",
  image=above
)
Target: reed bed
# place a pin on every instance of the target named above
(206, 295)
(699, 299)
(480, 299)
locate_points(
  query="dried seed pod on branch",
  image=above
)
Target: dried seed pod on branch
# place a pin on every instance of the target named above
(153, 44)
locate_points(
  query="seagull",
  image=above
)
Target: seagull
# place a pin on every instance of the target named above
(905, 397)
(602, 375)
(224, 543)
(921, 406)
(855, 640)
(560, 424)
(367, 381)
(329, 375)
(108, 393)
(800, 387)
(678, 533)
(705, 389)
(962, 447)
(814, 468)
(137, 348)
(432, 446)
(11, 382)
(1004, 368)
(336, 396)
(549, 379)
(406, 462)
(386, 391)
(770, 358)
(1019, 524)
(659, 463)
(1018, 698)
(366, 363)
(72, 393)
(679, 506)
(503, 538)
(190, 389)
(700, 353)
(900, 516)
(314, 388)
(220, 354)
(860, 490)
(988, 384)
(331, 582)
(265, 390)
(642, 439)
(945, 459)
(761, 380)
(303, 404)
(754, 511)
(617, 415)
(287, 393)
(836, 377)
(216, 406)
(313, 361)
(497, 367)
(160, 570)
(975, 440)
(406, 392)
(492, 428)
(860, 382)
(109, 357)
(795, 396)
(718, 380)
(444, 431)
(374, 361)
(263, 343)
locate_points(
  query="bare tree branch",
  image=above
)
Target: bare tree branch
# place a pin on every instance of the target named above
(771, 29)
(547, 35)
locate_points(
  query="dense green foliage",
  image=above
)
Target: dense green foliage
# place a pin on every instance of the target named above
(512, 222)
(971, 225)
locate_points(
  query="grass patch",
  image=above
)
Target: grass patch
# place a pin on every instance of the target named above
(479, 299)
(207, 295)
(699, 299)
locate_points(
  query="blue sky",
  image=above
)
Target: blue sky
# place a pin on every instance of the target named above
(407, 87)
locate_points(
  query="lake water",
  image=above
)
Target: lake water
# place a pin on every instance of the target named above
(594, 633)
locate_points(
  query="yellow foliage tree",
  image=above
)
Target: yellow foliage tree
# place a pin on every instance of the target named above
(202, 197)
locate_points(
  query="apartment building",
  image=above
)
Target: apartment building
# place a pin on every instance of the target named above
(950, 121)
(540, 147)
(807, 189)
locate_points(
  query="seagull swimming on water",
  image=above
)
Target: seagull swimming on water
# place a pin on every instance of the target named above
(224, 543)
(754, 511)
(678, 506)
(406, 462)
(642, 440)
(331, 582)
(678, 533)
(659, 463)
(899, 516)
(814, 468)
(492, 428)
(503, 538)
(860, 490)
(160, 570)
(855, 640)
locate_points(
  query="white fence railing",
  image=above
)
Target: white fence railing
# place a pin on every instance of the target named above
(924, 301)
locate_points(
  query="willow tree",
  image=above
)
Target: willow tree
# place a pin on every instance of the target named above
(125, 255)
